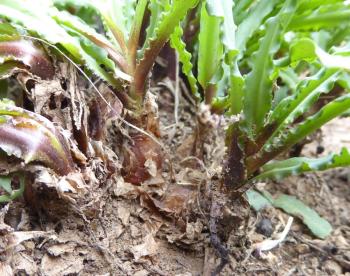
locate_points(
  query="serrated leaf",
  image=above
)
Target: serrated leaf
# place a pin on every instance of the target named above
(157, 11)
(31, 137)
(169, 20)
(296, 134)
(312, 123)
(185, 58)
(258, 85)
(294, 166)
(302, 49)
(320, 227)
(305, 96)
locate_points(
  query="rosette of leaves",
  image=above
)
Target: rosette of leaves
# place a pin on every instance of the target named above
(119, 48)
(268, 63)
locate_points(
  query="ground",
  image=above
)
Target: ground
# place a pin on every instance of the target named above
(161, 229)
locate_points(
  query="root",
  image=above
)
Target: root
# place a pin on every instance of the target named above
(215, 211)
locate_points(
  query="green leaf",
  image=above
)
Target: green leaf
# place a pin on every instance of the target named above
(134, 38)
(8, 32)
(311, 5)
(165, 26)
(216, 44)
(5, 184)
(257, 200)
(157, 11)
(327, 16)
(185, 58)
(210, 48)
(296, 134)
(306, 95)
(294, 166)
(318, 225)
(118, 16)
(80, 29)
(289, 77)
(307, 50)
(38, 21)
(252, 22)
(302, 49)
(258, 88)
(83, 9)
(223, 10)
(312, 123)
(235, 91)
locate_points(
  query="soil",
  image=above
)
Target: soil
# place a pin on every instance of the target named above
(163, 226)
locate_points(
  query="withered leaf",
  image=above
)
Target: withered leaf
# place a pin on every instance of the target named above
(26, 53)
(32, 137)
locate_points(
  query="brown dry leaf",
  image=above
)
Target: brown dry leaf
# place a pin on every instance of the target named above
(60, 249)
(188, 176)
(119, 229)
(122, 188)
(186, 148)
(176, 199)
(136, 152)
(15, 238)
(134, 231)
(5, 269)
(123, 214)
(23, 264)
(192, 235)
(152, 226)
(151, 167)
(142, 272)
(100, 113)
(148, 248)
(67, 187)
(67, 265)
(194, 230)
(43, 91)
(4, 228)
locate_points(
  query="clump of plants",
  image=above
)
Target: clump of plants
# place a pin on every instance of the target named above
(264, 65)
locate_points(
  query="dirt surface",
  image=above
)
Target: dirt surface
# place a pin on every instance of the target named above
(163, 226)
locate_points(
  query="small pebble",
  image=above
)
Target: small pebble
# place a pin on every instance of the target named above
(332, 268)
(319, 149)
(302, 248)
(264, 227)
